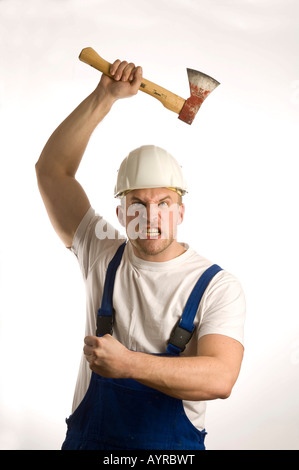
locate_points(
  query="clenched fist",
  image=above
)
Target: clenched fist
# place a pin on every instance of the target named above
(125, 82)
(107, 356)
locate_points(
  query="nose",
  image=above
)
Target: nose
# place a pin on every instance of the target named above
(150, 214)
(153, 213)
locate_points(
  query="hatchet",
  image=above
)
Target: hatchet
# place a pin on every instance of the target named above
(201, 86)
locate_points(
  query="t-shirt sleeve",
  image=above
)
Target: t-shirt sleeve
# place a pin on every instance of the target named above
(94, 238)
(224, 308)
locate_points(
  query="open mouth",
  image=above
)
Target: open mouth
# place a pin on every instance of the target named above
(153, 231)
(150, 233)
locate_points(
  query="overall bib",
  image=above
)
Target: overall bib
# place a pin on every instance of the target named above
(123, 414)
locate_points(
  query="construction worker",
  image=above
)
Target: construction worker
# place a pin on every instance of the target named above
(164, 327)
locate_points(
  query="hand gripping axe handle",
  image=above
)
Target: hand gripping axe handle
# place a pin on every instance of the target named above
(201, 86)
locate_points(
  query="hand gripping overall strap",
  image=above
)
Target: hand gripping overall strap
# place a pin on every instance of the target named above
(105, 312)
(183, 331)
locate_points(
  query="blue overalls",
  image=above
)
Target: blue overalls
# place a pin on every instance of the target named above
(123, 414)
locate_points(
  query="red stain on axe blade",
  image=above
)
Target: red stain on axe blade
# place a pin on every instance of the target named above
(192, 104)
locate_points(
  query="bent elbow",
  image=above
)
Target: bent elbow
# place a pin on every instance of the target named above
(222, 391)
(225, 394)
(219, 391)
(39, 170)
(226, 389)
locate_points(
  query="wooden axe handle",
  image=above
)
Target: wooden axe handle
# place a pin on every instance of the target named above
(168, 99)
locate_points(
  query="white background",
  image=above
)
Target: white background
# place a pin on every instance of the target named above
(239, 157)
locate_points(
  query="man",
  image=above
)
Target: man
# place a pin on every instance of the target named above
(164, 326)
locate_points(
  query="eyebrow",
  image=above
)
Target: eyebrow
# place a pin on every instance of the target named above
(136, 199)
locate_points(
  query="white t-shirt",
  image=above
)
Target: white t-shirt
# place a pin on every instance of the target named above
(149, 298)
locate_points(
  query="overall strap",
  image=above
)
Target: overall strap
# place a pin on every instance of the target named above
(183, 331)
(105, 312)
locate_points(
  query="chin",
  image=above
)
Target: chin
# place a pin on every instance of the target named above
(151, 247)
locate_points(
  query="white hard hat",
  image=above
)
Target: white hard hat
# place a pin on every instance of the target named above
(149, 167)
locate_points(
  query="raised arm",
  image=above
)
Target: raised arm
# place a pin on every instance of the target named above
(65, 200)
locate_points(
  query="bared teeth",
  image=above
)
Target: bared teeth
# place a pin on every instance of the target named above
(153, 231)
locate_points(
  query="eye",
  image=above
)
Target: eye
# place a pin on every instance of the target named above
(163, 204)
(136, 206)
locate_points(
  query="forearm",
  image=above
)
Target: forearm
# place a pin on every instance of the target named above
(186, 378)
(63, 152)
(209, 375)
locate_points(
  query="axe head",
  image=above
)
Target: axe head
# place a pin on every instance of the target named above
(201, 86)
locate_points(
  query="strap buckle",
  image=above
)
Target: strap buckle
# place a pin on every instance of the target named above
(180, 337)
(104, 324)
